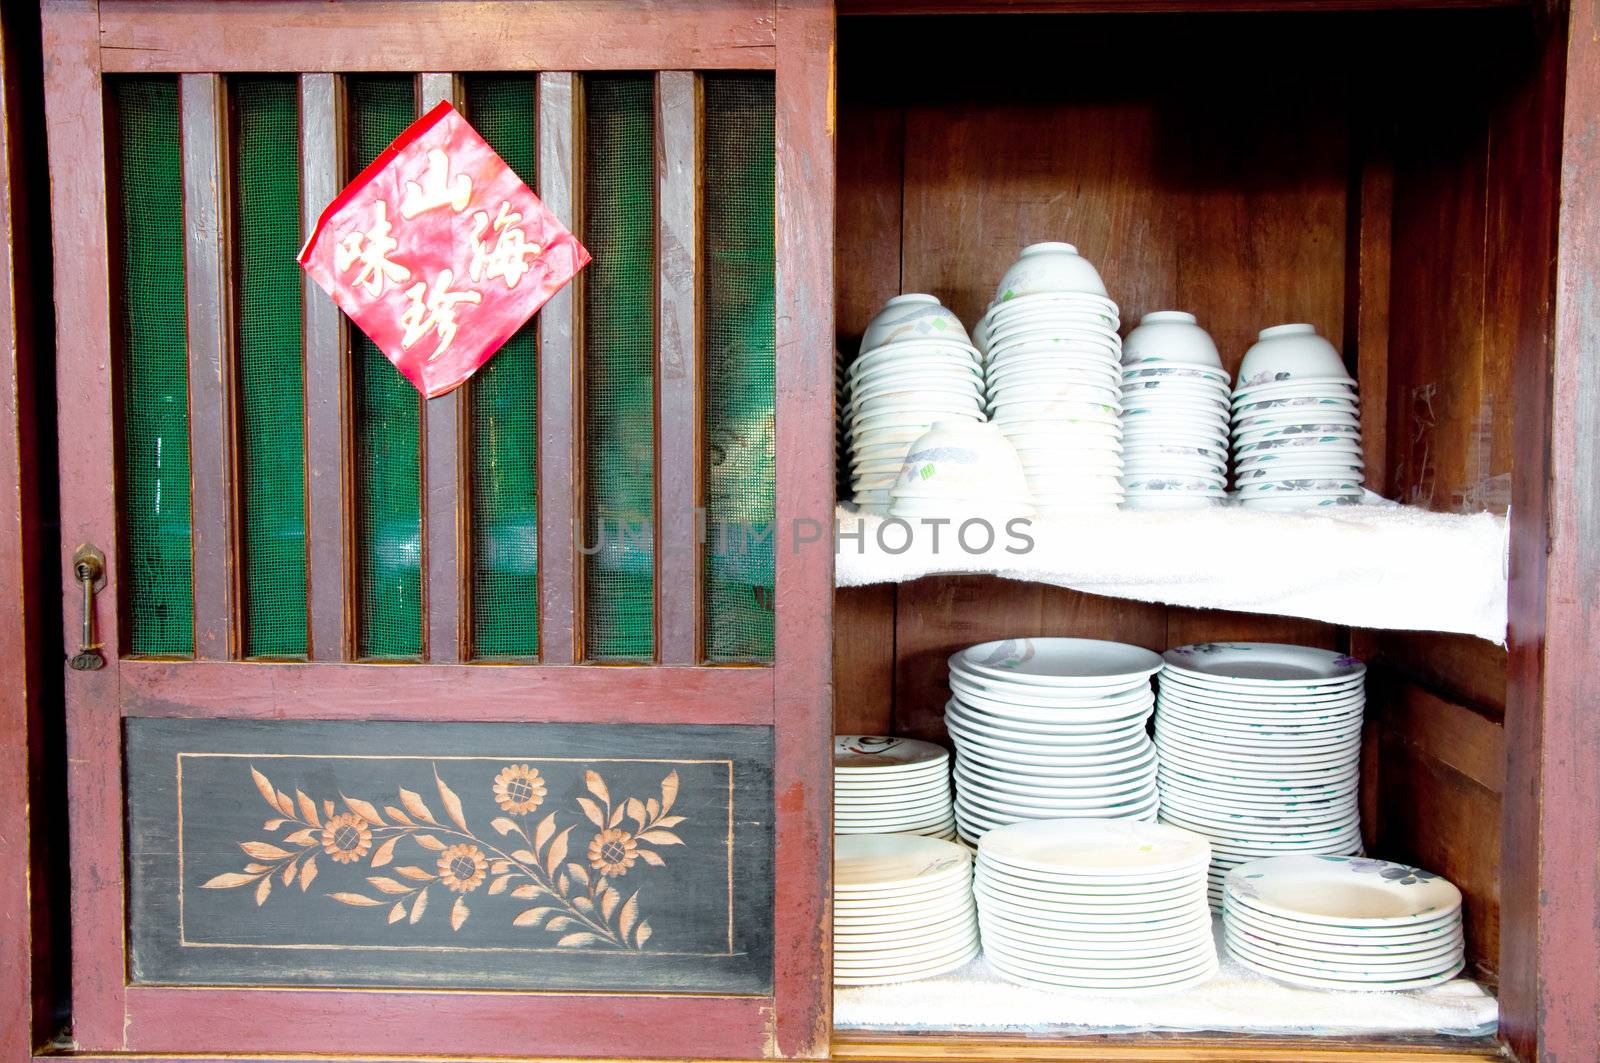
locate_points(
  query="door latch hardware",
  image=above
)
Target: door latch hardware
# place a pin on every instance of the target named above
(89, 569)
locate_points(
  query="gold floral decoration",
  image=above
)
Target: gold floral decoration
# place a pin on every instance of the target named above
(579, 905)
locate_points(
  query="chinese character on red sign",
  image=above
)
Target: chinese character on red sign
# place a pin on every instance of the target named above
(439, 252)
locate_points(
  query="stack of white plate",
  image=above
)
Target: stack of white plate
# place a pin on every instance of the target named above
(1339, 922)
(1052, 374)
(1296, 424)
(1104, 906)
(916, 367)
(885, 785)
(902, 908)
(1051, 728)
(1260, 747)
(1174, 415)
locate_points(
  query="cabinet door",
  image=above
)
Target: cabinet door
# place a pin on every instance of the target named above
(492, 724)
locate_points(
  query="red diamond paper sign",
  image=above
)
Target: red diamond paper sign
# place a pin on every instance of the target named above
(439, 252)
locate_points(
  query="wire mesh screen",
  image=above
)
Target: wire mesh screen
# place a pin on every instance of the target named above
(504, 420)
(738, 450)
(386, 415)
(271, 397)
(157, 563)
(619, 368)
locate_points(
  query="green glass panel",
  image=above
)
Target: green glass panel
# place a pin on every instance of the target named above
(619, 368)
(271, 401)
(739, 201)
(503, 400)
(147, 207)
(387, 421)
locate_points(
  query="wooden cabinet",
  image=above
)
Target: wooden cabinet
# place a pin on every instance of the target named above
(603, 831)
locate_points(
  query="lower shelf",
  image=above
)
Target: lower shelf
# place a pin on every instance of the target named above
(920, 1046)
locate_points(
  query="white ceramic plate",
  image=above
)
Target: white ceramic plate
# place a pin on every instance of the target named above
(1079, 847)
(873, 863)
(1442, 931)
(875, 754)
(1410, 953)
(1355, 891)
(1135, 758)
(1263, 665)
(1319, 977)
(1058, 662)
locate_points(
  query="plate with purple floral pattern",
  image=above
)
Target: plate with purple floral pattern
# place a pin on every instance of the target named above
(1257, 665)
(1344, 891)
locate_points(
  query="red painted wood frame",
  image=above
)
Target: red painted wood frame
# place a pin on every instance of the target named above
(85, 40)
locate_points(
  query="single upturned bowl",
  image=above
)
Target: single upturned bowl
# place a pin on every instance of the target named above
(1290, 352)
(1049, 267)
(1170, 336)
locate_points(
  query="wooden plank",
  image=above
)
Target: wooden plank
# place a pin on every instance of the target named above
(802, 710)
(681, 906)
(678, 422)
(313, 1022)
(149, 36)
(328, 452)
(459, 692)
(1551, 889)
(1367, 302)
(864, 659)
(75, 122)
(1153, 1048)
(208, 260)
(560, 105)
(444, 477)
(1454, 735)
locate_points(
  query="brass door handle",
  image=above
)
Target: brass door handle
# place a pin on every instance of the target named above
(89, 569)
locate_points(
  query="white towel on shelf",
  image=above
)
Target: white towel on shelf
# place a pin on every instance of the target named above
(974, 998)
(1379, 565)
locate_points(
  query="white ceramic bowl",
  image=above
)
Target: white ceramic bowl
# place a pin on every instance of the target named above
(958, 460)
(1289, 352)
(914, 315)
(1170, 336)
(1049, 267)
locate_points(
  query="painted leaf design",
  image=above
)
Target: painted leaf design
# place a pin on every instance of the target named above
(636, 811)
(365, 809)
(642, 934)
(564, 884)
(355, 899)
(415, 873)
(592, 810)
(263, 889)
(308, 874)
(579, 873)
(398, 912)
(526, 892)
(273, 824)
(285, 805)
(596, 785)
(301, 837)
(398, 816)
(257, 868)
(651, 857)
(263, 851)
(452, 804)
(498, 885)
(268, 794)
(541, 834)
(652, 808)
(608, 902)
(669, 821)
(458, 914)
(582, 903)
(502, 824)
(560, 922)
(557, 853)
(660, 837)
(428, 841)
(616, 816)
(419, 906)
(577, 939)
(414, 805)
(630, 914)
(669, 791)
(327, 808)
(385, 852)
(308, 808)
(228, 881)
(389, 885)
(531, 917)
(500, 867)
(288, 873)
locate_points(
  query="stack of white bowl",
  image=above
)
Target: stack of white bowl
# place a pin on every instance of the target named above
(1052, 356)
(1103, 906)
(1344, 923)
(884, 785)
(1260, 748)
(902, 908)
(916, 367)
(960, 471)
(1051, 728)
(1174, 415)
(1296, 424)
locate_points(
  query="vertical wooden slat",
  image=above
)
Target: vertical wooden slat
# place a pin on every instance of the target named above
(204, 111)
(75, 124)
(444, 501)
(803, 546)
(678, 138)
(559, 106)
(322, 164)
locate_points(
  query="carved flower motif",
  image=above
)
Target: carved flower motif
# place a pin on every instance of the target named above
(519, 789)
(613, 851)
(463, 867)
(346, 837)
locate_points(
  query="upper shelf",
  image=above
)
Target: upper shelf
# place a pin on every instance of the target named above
(1370, 566)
